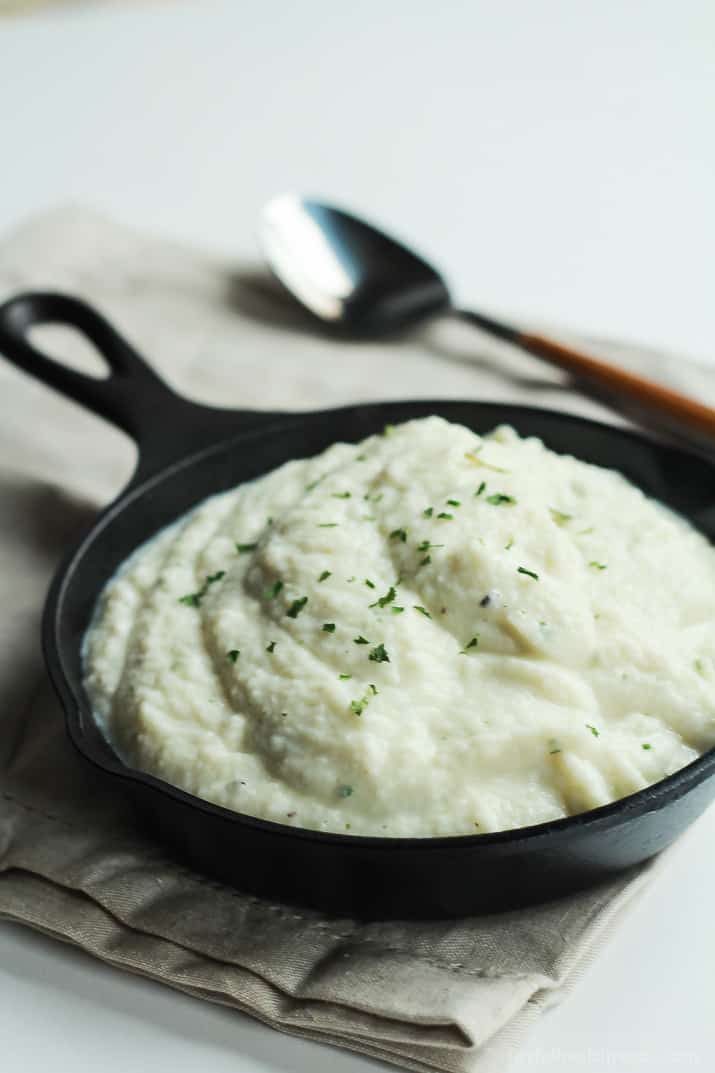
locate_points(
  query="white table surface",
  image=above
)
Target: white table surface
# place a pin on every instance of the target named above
(556, 157)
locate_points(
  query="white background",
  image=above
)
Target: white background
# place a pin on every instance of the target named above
(556, 156)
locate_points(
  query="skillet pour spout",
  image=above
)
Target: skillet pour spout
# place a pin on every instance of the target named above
(189, 451)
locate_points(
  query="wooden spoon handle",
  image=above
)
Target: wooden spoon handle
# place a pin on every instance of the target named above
(662, 400)
(687, 414)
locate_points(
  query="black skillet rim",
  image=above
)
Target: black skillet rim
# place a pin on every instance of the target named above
(611, 815)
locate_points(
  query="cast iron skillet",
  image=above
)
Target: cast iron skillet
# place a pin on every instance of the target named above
(187, 452)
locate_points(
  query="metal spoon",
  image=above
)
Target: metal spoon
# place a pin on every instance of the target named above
(356, 278)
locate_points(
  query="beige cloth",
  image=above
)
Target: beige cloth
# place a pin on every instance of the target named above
(452, 995)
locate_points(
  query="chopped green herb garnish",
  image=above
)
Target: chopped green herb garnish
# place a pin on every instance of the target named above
(386, 599)
(481, 488)
(379, 654)
(325, 575)
(698, 664)
(388, 430)
(360, 458)
(373, 688)
(447, 517)
(597, 566)
(593, 729)
(646, 745)
(422, 610)
(399, 534)
(361, 640)
(428, 512)
(426, 546)
(327, 525)
(194, 598)
(500, 498)
(471, 456)
(396, 610)
(357, 706)
(345, 791)
(471, 644)
(426, 561)
(272, 591)
(233, 655)
(341, 495)
(241, 548)
(584, 532)
(296, 607)
(328, 627)
(529, 573)
(370, 584)
(453, 502)
(344, 677)
(373, 498)
(271, 647)
(560, 516)
(553, 752)
(312, 485)
(510, 545)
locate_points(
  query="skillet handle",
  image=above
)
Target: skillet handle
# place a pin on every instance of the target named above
(133, 396)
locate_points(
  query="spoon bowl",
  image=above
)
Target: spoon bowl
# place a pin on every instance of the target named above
(346, 272)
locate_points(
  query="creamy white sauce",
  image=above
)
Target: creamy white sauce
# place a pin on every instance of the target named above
(549, 652)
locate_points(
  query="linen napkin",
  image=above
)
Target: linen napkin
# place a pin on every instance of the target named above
(451, 995)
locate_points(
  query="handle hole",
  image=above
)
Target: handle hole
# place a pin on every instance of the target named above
(70, 347)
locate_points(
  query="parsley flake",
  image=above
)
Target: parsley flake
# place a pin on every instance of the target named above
(379, 654)
(399, 534)
(426, 561)
(233, 655)
(560, 516)
(296, 607)
(481, 488)
(428, 512)
(271, 647)
(386, 599)
(373, 689)
(500, 498)
(453, 502)
(593, 729)
(396, 610)
(422, 610)
(241, 548)
(596, 565)
(426, 546)
(646, 745)
(529, 573)
(388, 430)
(344, 677)
(328, 627)
(313, 484)
(357, 707)
(370, 584)
(327, 525)
(193, 599)
(325, 575)
(345, 791)
(447, 517)
(360, 640)
(341, 495)
(471, 644)
(272, 591)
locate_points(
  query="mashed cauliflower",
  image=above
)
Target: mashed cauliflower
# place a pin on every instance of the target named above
(427, 633)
